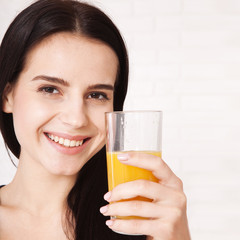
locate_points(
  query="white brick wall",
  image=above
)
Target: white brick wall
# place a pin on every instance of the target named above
(184, 60)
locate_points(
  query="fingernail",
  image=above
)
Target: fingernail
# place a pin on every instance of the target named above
(107, 196)
(123, 156)
(109, 223)
(103, 209)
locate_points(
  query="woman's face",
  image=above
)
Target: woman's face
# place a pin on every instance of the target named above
(59, 100)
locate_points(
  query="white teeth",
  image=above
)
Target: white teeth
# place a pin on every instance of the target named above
(65, 142)
(73, 143)
(61, 140)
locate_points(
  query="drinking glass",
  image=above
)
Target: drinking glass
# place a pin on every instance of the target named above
(131, 131)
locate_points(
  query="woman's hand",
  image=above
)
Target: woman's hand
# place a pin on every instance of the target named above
(167, 211)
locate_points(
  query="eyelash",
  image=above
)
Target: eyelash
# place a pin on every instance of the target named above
(101, 96)
(97, 95)
(46, 89)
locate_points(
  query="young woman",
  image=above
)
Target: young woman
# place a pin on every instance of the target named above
(63, 64)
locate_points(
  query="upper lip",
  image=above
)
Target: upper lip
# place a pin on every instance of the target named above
(67, 136)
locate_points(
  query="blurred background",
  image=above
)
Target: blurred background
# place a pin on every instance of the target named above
(184, 60)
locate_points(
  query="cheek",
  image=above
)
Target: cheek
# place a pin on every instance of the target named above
(29, 114)
(98, 117)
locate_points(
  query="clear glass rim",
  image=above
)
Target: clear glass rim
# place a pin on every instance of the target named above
(133, 111)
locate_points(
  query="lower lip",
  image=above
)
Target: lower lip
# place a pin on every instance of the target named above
(68, 150)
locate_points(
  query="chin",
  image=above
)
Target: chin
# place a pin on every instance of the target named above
(64, 169)
(64, 166)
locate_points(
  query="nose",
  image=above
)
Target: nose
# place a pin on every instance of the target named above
(74, 114)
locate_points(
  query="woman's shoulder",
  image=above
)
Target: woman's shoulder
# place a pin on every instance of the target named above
(8, 218)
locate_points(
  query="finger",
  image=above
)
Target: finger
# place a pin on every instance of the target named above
(154, 164)
(136, 208)
(151, 190)
(141, 227)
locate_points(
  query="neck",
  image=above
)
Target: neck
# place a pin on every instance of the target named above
(37, 191)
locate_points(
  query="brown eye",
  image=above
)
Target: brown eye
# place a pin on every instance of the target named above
(98, 95)
(50, 90)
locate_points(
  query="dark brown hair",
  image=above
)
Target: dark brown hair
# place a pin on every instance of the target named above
(38, 21)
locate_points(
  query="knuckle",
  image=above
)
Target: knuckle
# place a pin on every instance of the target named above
(177, 214)
(136, 225)
(179, 183)
(182, 200)
(159, 163)
(176, 217)
(136, 205)
(142, 185)
(159, 166)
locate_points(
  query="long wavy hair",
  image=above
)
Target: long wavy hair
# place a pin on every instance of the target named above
(35, 23)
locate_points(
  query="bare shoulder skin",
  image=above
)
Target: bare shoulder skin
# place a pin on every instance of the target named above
(26, 224)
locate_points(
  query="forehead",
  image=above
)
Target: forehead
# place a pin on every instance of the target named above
(66, 52)
(71, 39)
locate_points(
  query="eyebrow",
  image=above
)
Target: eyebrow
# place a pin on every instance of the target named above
(101, 86)
(65, 83)
(51, 79)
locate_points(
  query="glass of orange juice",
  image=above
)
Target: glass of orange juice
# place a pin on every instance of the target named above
(131, 131)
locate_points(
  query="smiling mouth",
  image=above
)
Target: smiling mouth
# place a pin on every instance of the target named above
(66, 142)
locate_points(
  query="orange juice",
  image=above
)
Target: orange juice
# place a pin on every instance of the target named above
(120, 173)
